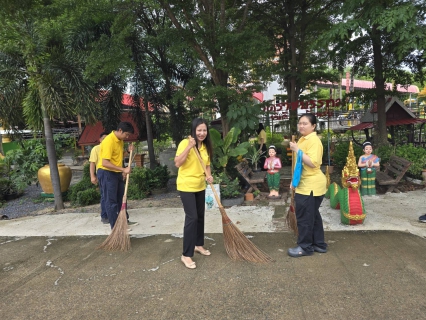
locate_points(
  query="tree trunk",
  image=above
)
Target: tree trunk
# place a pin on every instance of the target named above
(53, 163)
(1, 144)
(380, 133)
(149, 137)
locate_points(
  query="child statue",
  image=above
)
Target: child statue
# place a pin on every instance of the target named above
(273, 166)
(368, 163)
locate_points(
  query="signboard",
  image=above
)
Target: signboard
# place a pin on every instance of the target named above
(321, 108)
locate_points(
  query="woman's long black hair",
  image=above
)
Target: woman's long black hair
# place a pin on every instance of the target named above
(261, 127)
(207, 142)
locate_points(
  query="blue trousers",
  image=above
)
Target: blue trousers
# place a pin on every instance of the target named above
(99, 175)
(309, 222)
(193, 230)
(112, 185)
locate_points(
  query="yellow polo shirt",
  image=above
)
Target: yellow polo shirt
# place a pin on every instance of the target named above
(191, 177)
(312, 179)
(94, 155)
(111, 148)
(262, 135)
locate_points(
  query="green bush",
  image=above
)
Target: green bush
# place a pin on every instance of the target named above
(384, 153)
(416, 155)
(83, 185)
(138, 184)
(229, 188)
(88, 197)
(158, 178)
(341, 151)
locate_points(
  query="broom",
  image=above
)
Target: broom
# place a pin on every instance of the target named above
(290, 219)
(236, 243)
(119, 239)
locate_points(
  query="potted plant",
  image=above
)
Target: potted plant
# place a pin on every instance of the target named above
(230, 190)
(256, 193)
(253, 156)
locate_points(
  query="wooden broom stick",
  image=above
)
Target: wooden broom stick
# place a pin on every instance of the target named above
(291, 220)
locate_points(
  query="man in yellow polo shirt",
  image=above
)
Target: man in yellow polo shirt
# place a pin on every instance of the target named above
(93, 160)
(111, 172)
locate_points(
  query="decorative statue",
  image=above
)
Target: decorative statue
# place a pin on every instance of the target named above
(273, 165)
(348, 198)
(368, 164)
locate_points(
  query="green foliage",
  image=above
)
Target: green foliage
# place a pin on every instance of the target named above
(32, 155)
(416, 155)
(244, 115)
(229, 188)
(384, 153)
(227, 148)
(158, 178)
(143, 180)
(341, 153)
(83, 186)
(253, 155)
(88, 197)
(138, 184)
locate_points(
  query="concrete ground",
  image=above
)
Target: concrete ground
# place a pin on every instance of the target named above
(50, 267)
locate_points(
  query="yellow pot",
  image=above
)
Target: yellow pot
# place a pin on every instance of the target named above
(6, 138)
(65, 175)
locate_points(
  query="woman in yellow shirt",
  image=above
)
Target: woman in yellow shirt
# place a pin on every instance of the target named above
(310, 191)
(192, 186)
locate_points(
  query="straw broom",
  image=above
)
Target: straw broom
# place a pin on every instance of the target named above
(236, 243)
(119, 239)
(290, 219)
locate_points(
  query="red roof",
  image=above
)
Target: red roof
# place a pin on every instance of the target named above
(91, 133)
(389, 123)
(258, 96)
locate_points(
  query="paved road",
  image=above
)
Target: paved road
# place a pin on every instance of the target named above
(50, 268)
(365, 275)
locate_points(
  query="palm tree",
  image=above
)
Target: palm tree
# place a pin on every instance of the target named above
(40, 73)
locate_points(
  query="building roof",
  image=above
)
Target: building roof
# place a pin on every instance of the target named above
(91, 133)
(396, 114)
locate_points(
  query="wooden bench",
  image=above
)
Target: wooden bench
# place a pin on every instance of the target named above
(251, 177)
(394, 171)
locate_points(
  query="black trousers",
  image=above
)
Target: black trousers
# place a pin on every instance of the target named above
(309, 222)
(193, 230)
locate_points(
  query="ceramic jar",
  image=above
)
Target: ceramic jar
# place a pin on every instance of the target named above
(65, 175)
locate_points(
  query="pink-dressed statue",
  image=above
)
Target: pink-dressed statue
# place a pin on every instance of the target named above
(273, 165)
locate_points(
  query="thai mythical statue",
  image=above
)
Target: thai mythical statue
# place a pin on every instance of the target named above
(348, 198)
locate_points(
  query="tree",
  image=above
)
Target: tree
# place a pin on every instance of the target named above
(385, 36)
(293, 27)
(223, 40)
(40, 73)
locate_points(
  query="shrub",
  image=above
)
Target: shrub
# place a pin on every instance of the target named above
(83, 185)
(341, 153)
(138, 184)
(88, 197)
(158, 178)
(416, 155)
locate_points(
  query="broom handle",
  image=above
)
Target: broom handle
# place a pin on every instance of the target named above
(293, 163)
(205, 171)
(128, 176)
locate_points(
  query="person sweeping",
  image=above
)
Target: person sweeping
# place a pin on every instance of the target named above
(310, 191)
(191, 183)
